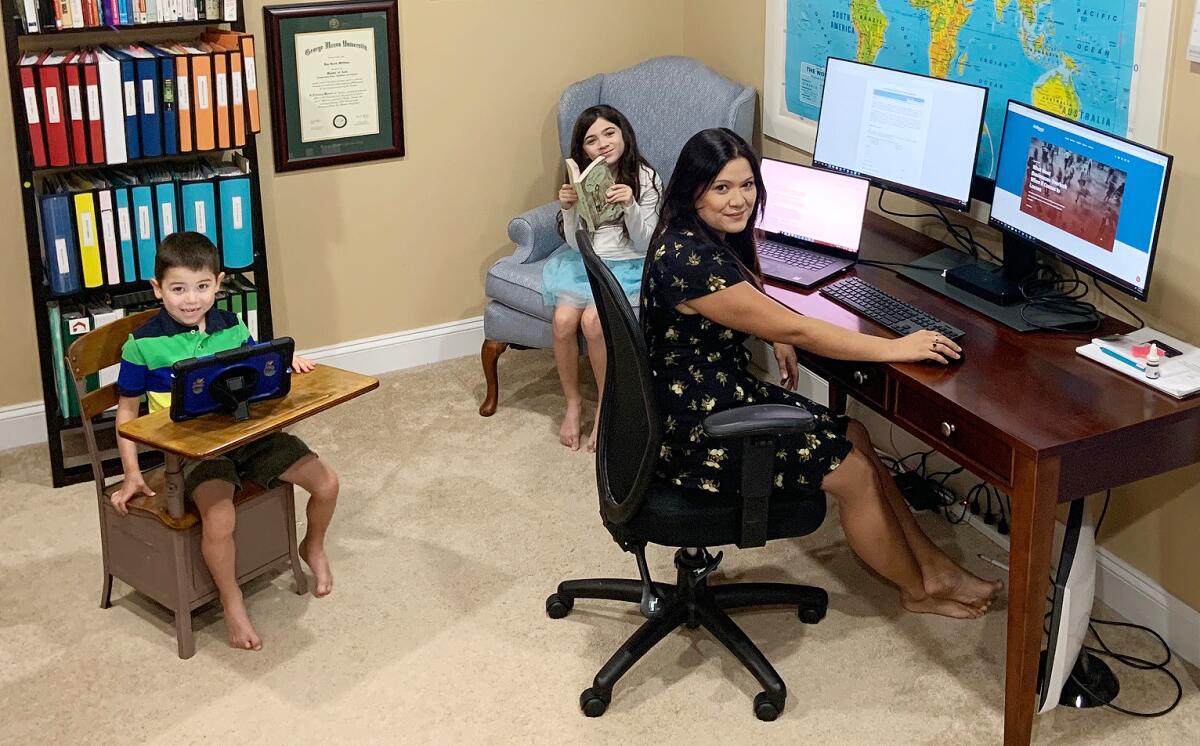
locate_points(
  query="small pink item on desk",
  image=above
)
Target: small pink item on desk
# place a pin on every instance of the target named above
(1140, 350)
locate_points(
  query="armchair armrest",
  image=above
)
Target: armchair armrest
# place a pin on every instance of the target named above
(759, 426)
(535, 232)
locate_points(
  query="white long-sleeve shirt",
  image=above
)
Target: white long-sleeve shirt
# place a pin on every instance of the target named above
(641, 218)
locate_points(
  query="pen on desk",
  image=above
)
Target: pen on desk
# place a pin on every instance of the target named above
(1122, 358)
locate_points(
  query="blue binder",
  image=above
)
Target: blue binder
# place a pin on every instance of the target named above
(123, 12)
(125, 233)
(129, 93)
(198, 204)
(143, 230)
(237, 228)
(166, 209)
(149, 106)
(169, 112)
(58, 241)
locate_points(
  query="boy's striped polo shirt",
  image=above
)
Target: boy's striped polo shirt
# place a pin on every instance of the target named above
(155, 346)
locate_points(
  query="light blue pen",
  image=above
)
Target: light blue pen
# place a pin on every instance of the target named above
(1122, 358)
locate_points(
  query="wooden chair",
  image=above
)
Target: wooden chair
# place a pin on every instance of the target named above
(155, 553)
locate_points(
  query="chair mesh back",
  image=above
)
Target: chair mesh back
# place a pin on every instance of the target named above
(628, 440)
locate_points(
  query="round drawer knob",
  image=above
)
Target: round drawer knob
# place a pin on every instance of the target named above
(947, 429)
(859, 377)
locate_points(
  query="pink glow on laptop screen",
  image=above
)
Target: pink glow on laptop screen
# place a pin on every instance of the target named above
(819, 206)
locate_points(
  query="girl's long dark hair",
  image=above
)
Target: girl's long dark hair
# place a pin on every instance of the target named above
(700, 161)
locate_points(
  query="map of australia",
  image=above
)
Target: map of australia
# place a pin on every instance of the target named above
(1074, 58)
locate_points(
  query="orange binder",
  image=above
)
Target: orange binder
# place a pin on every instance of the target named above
(237, 107)
(245, 43)
(203, 105)
(220, 76)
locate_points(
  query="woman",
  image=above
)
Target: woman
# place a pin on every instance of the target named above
(701, 299)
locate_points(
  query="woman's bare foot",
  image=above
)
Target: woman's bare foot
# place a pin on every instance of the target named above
(568, 434)
(939, 606)
(953, 583)
(237, 623)
(314, 557)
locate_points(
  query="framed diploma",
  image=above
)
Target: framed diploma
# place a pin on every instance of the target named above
(335, 82)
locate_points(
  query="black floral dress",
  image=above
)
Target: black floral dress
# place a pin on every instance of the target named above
(701, 367)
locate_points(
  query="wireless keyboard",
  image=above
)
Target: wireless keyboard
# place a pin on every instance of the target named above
(867, 300)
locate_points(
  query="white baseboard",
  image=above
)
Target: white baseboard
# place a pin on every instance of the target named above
(25, 424)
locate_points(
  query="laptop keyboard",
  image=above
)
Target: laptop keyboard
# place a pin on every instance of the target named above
(867, 300)
(793, 256)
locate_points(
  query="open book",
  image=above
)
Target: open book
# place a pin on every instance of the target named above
(592, 187)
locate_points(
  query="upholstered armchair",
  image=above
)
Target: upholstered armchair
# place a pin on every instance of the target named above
(667, 99)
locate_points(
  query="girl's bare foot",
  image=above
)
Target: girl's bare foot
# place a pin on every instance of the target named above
(939, 606)
(568, 434)
(591, 444)
(314, 557)
(953, 583)
(237, 623)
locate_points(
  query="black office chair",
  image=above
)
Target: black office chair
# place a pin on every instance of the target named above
(638, 509)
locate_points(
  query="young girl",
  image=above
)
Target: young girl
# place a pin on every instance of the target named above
(599, 131)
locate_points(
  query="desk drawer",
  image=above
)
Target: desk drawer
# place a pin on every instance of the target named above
(952, 434)
(865, 381)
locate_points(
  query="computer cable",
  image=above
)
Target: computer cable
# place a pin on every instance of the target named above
(965, 242)
(1046, 290)
(1100, 286)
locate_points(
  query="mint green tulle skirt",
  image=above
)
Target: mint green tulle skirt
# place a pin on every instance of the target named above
(565, 282)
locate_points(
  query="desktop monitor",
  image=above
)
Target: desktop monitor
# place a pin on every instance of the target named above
(814, 206)
(1091, 199)
(908, 133)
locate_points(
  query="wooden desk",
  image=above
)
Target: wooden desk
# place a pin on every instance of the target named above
(214, 434)
(1022, 410)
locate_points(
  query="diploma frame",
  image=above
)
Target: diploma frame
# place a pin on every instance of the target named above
(283, 23)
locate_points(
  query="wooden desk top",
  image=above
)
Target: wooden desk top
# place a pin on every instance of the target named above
(214, 434)
(1031, 386)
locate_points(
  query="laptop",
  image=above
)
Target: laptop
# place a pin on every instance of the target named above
(228, 381)
(813, 222)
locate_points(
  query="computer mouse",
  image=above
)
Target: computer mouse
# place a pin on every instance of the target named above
(962, 354)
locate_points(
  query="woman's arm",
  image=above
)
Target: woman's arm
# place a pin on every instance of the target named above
(641, 217)
(745, 308)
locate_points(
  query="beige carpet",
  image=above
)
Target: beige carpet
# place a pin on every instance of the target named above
(451, 531)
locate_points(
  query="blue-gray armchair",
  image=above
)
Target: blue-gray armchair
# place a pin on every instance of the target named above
(667, 99)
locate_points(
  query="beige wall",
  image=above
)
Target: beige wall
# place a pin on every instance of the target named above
(375, 248)
(1151, 524)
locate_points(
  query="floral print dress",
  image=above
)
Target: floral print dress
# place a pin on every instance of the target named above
(701, 367)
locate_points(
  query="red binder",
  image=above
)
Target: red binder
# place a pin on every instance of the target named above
(76, 116)
(33, 114)
(95, 124)
(52, 90)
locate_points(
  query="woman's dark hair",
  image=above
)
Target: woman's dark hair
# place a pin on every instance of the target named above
(628, 171)
(700, 161)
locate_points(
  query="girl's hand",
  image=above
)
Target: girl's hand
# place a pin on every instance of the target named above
(789, 372)
(924, 345)
(302, 364)
(622, 194)
(567, 196)
(133, 485)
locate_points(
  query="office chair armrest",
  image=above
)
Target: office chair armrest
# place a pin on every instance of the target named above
(759, 426)
(759, 419)
(535, 232)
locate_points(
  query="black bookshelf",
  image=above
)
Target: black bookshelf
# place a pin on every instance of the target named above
(68, 464)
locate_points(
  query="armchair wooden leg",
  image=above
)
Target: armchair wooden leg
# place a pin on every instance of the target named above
(489, 355)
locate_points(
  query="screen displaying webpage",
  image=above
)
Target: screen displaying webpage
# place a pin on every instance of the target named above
(1092, 198)
(813, 205)
(913, 132)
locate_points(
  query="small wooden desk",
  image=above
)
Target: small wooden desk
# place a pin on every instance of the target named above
(1022, 410)
(214, 434)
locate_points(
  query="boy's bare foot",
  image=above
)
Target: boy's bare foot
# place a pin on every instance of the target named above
(953, 583)
(237, 623)
(316, 560)
(568, 434)
(940, 606)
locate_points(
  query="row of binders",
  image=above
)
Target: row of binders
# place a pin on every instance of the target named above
(110, 105)
(69, 322)
(103, 227)
(55, 15)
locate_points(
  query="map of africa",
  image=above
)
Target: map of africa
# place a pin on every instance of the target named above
(1074, 58)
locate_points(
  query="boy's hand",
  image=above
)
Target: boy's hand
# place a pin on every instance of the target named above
(622, 194)
(302, 364)
(133, 486)
(567, 197)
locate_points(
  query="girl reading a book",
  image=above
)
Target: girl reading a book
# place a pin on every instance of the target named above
(620, 240)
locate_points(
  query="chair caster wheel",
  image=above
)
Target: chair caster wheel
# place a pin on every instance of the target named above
(592, 703)
(811, 614)
(558, 606)
(765, 709)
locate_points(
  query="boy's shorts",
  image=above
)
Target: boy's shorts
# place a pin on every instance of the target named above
(261, 462)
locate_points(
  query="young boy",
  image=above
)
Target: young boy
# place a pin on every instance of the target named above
(187, 275)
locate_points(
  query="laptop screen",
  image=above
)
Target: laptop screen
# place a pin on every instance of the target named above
(809, 204)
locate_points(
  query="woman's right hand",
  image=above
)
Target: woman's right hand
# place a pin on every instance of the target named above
(567, 196)
(925, 345)
(133, 486)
